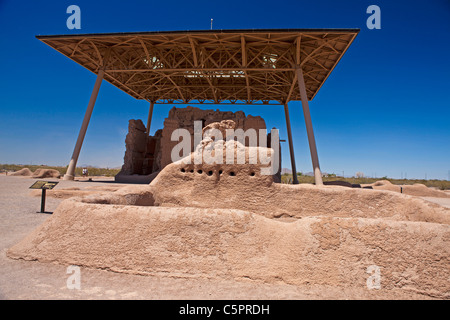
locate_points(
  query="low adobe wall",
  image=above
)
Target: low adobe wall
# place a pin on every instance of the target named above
(220, 243)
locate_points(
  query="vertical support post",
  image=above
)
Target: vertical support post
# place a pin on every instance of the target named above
(149, 119)
(291, 144)
(309, 128)
(70, 174)
(44, 191)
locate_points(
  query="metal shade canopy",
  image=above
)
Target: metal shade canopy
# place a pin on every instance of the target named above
(212, 66)
(263, 66)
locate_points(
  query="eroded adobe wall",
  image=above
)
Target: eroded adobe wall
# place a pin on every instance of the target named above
(145, 155)
(183, 118)
(135, 144)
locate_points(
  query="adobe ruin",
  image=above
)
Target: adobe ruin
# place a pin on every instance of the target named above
(228, 221)
(145, 156)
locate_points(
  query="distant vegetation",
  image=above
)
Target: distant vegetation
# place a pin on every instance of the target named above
(78, 172)
(440, 184)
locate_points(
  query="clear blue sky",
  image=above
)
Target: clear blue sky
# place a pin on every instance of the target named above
(384, 110)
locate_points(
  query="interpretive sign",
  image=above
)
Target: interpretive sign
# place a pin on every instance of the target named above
(44, 186)
(48, 185)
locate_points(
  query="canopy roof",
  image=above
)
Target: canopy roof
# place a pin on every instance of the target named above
(217, 66)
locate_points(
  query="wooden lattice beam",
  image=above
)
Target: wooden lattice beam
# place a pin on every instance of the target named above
(228, 66)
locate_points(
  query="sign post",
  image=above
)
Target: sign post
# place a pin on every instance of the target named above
(44, 186)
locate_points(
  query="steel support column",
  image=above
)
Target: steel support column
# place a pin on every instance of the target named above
(70, 174)
(291, 144)
(309, 128)
(149, 119)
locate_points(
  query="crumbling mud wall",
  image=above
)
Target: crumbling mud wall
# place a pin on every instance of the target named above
(416, 189)
(232, 221)
(146, 155)
(134, 236)
(25, 172)
(38, 174)
(413, 257)
(183, 118)
(135, 143)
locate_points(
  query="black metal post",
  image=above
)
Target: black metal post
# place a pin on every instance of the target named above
(43, 200)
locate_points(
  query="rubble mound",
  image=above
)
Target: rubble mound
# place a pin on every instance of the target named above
(25, 172)
(38, 174)
(417, 189)
(46, 173)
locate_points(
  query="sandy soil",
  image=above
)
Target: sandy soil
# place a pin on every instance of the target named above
(445, 202)
(33, 280)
